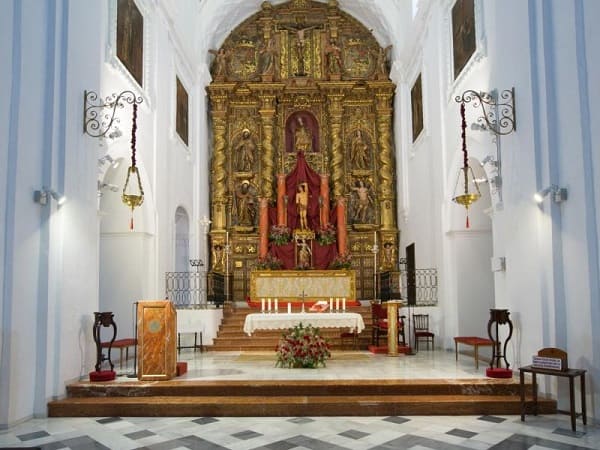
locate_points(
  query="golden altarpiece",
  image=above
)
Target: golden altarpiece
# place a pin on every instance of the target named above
(301, 115)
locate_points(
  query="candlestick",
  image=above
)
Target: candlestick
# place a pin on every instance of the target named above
(276, 305)
(269, 304)
(262, 305)
(337, 303)
(289, 308)
(344, 304)
(330, 303)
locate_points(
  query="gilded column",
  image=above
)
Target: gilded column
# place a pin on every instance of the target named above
(335, 96)
(218, 94)
(384, 92)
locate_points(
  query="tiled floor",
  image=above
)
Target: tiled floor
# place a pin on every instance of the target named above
(315, 433)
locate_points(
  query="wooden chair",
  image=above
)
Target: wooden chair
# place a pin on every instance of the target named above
(380, 324)
(421, 330)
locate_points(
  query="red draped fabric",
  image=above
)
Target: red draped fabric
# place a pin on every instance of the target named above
(322, 254)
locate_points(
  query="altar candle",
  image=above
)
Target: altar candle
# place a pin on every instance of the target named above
(269, 304)
(289, 308)
(276, 305)
(262, 305)
(337, 303)
(344, 303)
(375, 234)
(330, 303)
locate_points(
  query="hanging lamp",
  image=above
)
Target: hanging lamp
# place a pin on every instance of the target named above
(466, 190)
(133, 195)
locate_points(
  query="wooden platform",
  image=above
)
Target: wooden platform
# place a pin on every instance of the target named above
(293, 398)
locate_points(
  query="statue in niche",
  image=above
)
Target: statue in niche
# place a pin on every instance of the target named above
(268, 56)
(220, 63)
(302, 137)
(245, 204)
(218, 257)
(388, 256)
(360, 151)
(302, 204)
(334, 58)
(244, 151)
(363, 202)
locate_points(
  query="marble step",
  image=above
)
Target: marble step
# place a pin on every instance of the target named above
(297, 405)
(175, 387)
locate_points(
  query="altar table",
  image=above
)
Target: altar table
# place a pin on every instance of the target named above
(278, 321)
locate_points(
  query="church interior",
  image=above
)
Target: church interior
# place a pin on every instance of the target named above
(205, 166)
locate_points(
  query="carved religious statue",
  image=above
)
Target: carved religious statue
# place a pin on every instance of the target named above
(302, 204)
(300, 45)
(363, 203)
(304, 254)
(388, 256)
(220, 63)
(268, 55)
(245, 205)
(334, 58)
(361, 151)
(218, 257)
(244, 152)
(302, 137)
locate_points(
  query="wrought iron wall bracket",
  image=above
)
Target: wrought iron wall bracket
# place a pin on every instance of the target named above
(99, 115)
(499, 114)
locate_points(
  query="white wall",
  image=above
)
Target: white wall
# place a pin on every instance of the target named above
(550, 285)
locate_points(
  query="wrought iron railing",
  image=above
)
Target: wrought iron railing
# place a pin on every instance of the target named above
(186, 289)
(426, 281)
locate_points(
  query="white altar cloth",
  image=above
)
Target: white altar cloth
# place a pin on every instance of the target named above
(278, 321)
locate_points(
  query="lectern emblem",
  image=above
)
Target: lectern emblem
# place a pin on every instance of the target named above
(154, 326)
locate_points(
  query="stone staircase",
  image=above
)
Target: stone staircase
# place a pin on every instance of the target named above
(231, 336)
(259, 398)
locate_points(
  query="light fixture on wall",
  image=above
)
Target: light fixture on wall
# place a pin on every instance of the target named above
(133, 193)
(466, 190)
(499, 118)
(558, 194)
(100, 116)
(42, 196)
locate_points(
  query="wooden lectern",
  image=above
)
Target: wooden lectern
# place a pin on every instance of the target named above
(392, 316)
(157, 340)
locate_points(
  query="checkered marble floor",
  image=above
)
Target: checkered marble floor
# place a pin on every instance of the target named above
(314, 433)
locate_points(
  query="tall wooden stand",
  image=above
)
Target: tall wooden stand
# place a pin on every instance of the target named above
(157, 340)
(392, 317)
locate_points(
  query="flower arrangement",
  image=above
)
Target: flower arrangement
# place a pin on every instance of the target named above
(326, 235)
(269, 262)
(280, 235)
(302, 347)
(341, 262)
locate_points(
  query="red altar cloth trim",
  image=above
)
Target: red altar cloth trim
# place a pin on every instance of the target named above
(307, 303)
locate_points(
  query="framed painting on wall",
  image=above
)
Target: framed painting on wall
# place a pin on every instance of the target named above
(416, 101)
(182, 111)
(463, 33)
(130, 38)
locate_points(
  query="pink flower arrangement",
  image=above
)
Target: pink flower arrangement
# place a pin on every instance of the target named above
(280, 235)
(326, 234)
(341, 262)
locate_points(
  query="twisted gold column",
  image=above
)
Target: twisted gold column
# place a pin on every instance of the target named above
(218, 96)
(384, 94)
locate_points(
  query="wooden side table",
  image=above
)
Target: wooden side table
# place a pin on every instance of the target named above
(569, 373)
